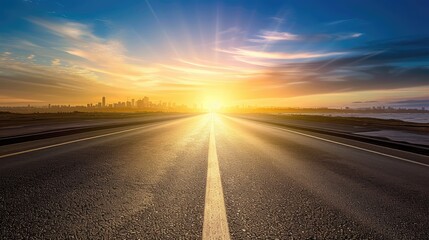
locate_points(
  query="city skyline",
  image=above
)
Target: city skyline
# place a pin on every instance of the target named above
(144, 104)
(215, 52)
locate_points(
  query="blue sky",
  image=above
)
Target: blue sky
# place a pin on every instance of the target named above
(286, 53)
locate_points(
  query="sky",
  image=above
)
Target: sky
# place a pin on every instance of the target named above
(291, 53)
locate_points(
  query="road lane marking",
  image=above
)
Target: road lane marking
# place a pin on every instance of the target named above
(73, 141)
(355, 147)
(215, 224)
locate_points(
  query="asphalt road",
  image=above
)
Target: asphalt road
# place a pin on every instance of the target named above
(211, 176)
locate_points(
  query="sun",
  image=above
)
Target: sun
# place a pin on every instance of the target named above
(217, 98)
(213, 104)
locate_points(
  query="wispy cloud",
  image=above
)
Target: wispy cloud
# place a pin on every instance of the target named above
(222, 68)
(278, 55)
(77, 63)
(231, 30)
(56, 62)
(274, 36)
(367, 68)
(340, 21)
(278, 20)
(190, 70)
(346, 22)
(71, 30)
(423, 102)
(348, 36)
(107, 56)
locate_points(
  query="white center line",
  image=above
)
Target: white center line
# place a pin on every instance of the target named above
(215, 224)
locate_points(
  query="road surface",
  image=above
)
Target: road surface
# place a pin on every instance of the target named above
(211, 176)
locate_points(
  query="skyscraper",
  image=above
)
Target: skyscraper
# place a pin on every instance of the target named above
(145, 102)
(103, 101)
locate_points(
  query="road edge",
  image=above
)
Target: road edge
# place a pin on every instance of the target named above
(371, 140)
(70, 131)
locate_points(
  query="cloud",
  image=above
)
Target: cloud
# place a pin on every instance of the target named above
(405, 44)
(71, 30)
(275, 36)
(190, 70)
(360, 102)
(399, 65)
(412, 103)
(341, 21)
(348, 36)
(56, 62)
(76, 57)
(351, 22)
(231, 30)
(45, 82)
(278, 55)
(12, 100)
(278, 20)
(272, 36)
(106, 56)
(419, 101)
(215, 67)
(74, 62)
(386, 66)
